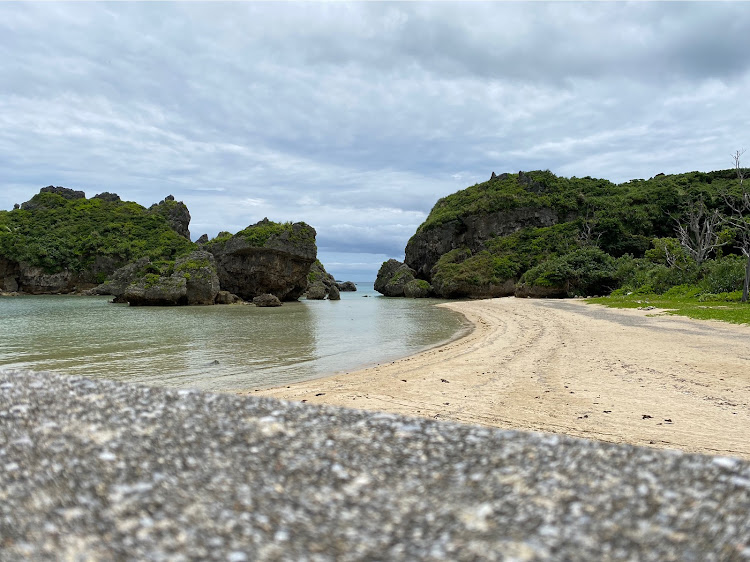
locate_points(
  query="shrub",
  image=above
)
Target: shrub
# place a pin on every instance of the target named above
(683, 291)
(583, 272)
(723, 275)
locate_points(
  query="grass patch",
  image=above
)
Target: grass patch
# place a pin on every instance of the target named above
(692, 307)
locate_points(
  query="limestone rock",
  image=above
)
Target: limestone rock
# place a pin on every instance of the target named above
(9, 273)
(392, 278)
(346, 286)
(316, 291)
(121, 278)
(425, 248)
(155, 290)
(193, 281)
(199, 270)
(318, 273)
(417, 289)
(202, 240)
(266, 300)
(63, 192)
(225, 297)
(266, 257)
(333, 293)
(176, 213)
(107, 196)
(35, 281)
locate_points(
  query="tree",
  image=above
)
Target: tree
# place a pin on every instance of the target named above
(740, 172)
(700, 236)
(740, 220)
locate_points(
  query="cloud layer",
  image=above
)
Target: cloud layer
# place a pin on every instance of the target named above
(357, 117)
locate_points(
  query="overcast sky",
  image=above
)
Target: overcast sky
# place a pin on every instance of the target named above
(356, 118)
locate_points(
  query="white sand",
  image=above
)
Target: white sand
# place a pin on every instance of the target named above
(568, 367)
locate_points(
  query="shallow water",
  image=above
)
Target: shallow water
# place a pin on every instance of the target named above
(219, 348)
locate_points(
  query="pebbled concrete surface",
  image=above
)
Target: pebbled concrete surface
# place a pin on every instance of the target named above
(98, 470)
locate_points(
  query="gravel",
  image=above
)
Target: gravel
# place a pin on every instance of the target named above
(99, 470)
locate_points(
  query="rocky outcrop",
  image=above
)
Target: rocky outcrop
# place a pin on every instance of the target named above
(202, 240)
(176, 213)
(122, 278)
(316, 291)
(318, 273)
(155, 290)
(321, 283)
(425, 248)
(346, 286)
(193, 282)
(225, 297)
(266, 257)
(9, 273)
(417, 289)
(24, 278)
(393, 277)
(35, 281)
(107, 196)
(266, 301)
(202, 281)
(333, 293)
(81, 244)
(38, 203)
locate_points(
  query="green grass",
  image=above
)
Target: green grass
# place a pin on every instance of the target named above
(725, 311)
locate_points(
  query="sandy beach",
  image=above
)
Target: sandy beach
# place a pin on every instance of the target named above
(563, 366)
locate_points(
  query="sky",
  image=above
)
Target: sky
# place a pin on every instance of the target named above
(357, 117)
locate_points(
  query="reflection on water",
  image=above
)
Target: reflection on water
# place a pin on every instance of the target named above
(216, 347)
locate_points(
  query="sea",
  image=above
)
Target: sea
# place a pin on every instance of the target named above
(218, 348)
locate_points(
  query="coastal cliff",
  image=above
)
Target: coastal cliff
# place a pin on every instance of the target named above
(427, 246)
(535, 234)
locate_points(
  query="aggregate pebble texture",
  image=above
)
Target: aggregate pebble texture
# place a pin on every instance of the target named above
(98, 470)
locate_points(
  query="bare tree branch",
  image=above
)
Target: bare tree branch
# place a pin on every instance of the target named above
(587, 235)
(736, 159)
(740, 220)
(699, 237)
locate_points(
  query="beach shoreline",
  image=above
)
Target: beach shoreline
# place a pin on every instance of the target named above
(563, 366)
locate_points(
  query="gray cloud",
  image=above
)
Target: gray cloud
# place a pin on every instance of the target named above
(357, 117)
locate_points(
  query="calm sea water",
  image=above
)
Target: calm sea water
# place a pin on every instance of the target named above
(219, 348)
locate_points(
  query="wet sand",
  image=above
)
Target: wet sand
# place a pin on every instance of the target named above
(562, 366)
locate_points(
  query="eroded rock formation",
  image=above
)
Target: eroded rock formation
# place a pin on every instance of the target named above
(266, 300)
(346, 286)
(266, 257)
(425, 248)
(176, 213)
(393, 277)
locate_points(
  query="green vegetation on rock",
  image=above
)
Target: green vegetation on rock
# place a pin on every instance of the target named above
(56, 233)
(259, 234)
(550, 235)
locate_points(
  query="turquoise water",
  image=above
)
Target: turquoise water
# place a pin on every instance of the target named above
(218, 348)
